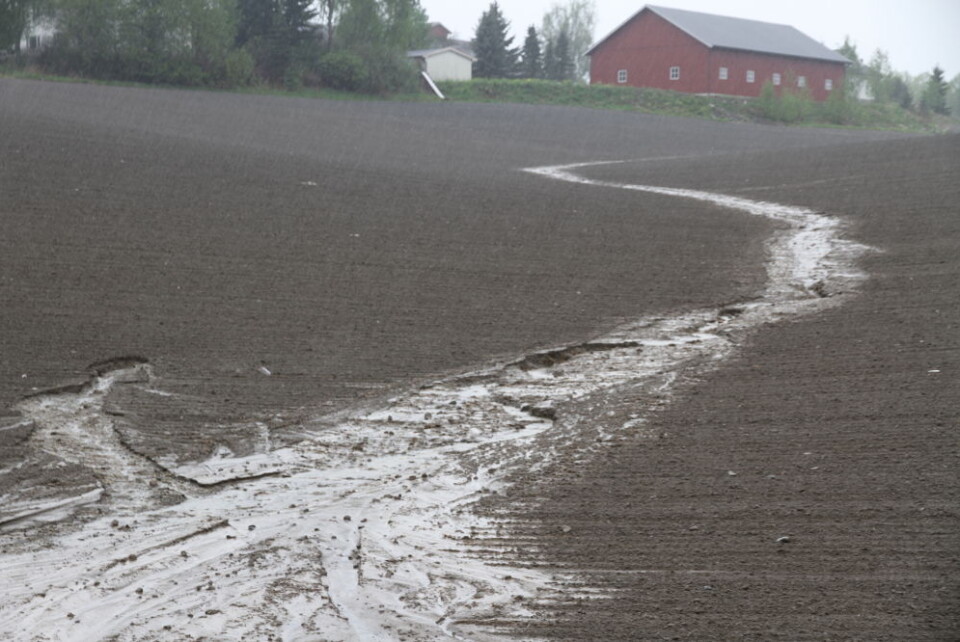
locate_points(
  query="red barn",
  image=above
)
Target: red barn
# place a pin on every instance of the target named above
(701, 53)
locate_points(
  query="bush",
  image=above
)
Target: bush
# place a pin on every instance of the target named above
(342, 70)
(795, 106)
(293, 77)
(788, 107)
(370, 69)
(838, 109)
(389, 72)
(238, 68)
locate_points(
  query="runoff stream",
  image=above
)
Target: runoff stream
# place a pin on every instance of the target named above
(363, 530)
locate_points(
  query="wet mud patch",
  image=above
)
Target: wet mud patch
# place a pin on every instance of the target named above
(37, 486)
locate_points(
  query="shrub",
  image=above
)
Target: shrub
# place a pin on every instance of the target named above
(388, 71)
(795, 106)
(838, 108)
(788, 107)
(293, 77)
(238, 68)
(342, 70)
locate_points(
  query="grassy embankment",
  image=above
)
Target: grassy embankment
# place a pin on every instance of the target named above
(790, 108)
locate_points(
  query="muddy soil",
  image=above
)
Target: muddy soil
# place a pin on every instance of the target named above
(277, 259)
(809, 488)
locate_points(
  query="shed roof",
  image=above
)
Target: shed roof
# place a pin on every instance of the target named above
(429, 53)
(738, 33)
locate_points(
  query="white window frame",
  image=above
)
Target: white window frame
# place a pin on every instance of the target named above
(751, 76)
(777, 79)
(724, 73)
(621, 76)
(675, 73)
(801, 81)
(828, 84)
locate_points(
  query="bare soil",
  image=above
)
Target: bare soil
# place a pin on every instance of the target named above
(347, 249)
(809, 488)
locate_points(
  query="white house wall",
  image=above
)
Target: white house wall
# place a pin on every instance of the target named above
(449, 66)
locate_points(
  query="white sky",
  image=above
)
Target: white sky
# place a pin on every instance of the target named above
(917, 34)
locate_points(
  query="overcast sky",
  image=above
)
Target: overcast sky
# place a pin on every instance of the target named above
(917, 34)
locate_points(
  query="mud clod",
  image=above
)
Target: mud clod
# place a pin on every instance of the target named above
(112, 364)
(541, 411)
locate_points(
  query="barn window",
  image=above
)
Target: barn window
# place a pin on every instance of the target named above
(724, 73)
(751, 75)
(674, 73)
(801, 81)
(622, 76)
(828, 84)
(776, 79)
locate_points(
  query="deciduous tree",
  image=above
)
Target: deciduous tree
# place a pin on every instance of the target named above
(377, 34)
(329, 12)
(173, 41)
(575, 18)
(854, 77)
(953, 96)
(878, 76)
(13, 20)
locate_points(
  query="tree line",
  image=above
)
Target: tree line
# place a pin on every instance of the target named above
(556, 52)
(357, 45)
(875, 79)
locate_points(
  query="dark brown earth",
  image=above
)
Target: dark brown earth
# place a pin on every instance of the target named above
(349, 247)
(343, 246)
(839, 432)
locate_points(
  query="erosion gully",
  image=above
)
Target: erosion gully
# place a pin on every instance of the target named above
(363, 530)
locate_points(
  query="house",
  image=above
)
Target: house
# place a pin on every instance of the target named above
(702, 53)
(439, 37)
(445, 63)
(436, 32)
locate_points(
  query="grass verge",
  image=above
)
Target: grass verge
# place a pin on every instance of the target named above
(790, 109)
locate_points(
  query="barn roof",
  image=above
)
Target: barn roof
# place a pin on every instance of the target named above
(723, 32)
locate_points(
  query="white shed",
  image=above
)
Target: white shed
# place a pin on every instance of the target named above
(447, 63)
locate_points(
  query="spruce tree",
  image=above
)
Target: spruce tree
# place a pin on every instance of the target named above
(558, 63)
(532, 65)
(277, 32)
(256, 19)
(549, 61)
(491, 45)
(935, 94)
(565, 66)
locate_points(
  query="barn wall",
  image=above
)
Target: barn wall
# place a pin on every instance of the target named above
(648, 46)
(764, 66)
